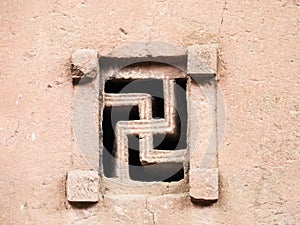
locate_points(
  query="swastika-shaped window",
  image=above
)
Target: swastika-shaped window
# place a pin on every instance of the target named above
(144, 123)
(159, 118)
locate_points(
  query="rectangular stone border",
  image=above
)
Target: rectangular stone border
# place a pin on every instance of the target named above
(199, 61)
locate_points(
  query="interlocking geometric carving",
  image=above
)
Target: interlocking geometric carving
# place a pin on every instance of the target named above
(188, 152)
(145, 128)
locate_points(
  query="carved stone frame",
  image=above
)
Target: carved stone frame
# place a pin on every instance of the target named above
(200, 63)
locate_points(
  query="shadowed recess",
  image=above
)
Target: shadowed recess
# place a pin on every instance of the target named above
(167, 172)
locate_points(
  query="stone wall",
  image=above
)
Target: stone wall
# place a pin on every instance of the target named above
(258, 74)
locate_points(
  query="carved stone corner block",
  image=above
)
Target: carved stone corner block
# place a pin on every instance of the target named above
(82, 186)
(84, 64)
(204, 184)
(202, 59)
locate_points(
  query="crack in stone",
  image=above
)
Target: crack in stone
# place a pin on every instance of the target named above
(222, 15)
(13, 135)
(152, 213)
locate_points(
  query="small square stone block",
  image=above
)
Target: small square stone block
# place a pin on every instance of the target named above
(204, 184)
(83, 186)
(84, 63)
(202, 59)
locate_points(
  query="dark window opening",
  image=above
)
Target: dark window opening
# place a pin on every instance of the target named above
(111, 115)
(177, 140)
(153, 87)
(167, 172)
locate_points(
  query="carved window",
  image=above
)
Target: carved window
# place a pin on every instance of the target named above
(158, 110)
(144, 123)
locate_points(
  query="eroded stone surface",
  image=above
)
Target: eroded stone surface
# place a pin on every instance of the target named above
(259, 160)
(150, 49)
(202, 59)
(84, 63)
(82, 186)
(204, 184)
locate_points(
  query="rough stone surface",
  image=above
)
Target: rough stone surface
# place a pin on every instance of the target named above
(258, 75)
(204, 184)
(82, 186)
(84, 63)
(148, 49)
(202, 59)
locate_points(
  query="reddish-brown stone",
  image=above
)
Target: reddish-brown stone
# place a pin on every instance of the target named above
(82, 186)
(204, 184)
